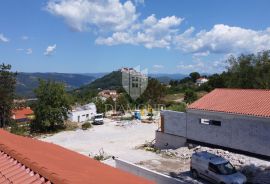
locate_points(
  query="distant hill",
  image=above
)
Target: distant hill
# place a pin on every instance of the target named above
(164, 79)
(112, 80)
(168, 76)
(95, 75)
(27, 82)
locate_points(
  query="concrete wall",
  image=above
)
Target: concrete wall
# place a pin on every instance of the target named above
(247, 133)
(174, 123)
(146, 173)
(168, 141)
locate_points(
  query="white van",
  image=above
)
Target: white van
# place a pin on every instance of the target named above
(98, 119)
(215, 169)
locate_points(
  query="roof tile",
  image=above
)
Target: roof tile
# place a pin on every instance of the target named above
(57, 164)
(253, 102)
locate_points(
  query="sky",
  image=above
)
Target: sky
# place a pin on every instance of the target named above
(91, 36)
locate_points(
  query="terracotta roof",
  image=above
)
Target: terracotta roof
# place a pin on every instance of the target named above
(60, 165)
(22, 113)
(12, 171)
(254, 102)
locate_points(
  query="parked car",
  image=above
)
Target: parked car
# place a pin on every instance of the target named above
(98, 119)
(215, 169)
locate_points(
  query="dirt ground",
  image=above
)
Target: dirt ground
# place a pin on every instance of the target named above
(127, 139)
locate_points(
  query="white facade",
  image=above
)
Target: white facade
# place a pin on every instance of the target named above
(82, 113)
(201, 81)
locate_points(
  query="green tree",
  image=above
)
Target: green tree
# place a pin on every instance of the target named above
(109, 104)
(100, 105)
(181, 107)
(242, 71)
(216, 81)
(194, 76)
(7, 94)
(263, 70)
(154, 92)
(190, 96)
(122, 102)
(51, 108)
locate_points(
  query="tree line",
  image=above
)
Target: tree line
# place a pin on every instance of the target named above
(248, 71)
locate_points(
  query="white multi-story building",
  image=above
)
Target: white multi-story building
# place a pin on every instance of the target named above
(134, 82)
(82, 113)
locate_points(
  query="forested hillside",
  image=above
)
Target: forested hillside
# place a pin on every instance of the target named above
(27, 82)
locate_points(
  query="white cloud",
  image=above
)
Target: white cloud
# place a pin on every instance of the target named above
(3, 38)
(117, 22)
(200, 54)
(85, 14)
(25, 38)
(29, 51)
(139, 2)
(158, 67)
(223, 39)
(152, 32)
(19, 49)
(50, 49)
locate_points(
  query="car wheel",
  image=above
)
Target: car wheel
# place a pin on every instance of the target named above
(194, 174)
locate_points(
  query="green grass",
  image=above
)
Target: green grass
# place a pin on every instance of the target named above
(173, 97)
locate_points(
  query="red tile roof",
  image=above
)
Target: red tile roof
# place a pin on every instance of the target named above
(254, 102)
(60, 165)
(22, 113)
(12, 171)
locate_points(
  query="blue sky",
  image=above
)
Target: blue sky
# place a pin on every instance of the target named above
(173, 36)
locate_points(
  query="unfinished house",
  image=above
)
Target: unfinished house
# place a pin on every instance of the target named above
(232, 118)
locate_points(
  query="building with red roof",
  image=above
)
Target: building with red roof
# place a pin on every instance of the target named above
(22, 114)
(249, 102)
(25, 160)
(232, 118)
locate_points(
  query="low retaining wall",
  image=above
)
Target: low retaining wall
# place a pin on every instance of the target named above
(146, 173)
(168, 141)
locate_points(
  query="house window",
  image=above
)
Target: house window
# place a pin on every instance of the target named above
(210, 122)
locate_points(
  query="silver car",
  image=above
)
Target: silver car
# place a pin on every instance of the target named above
(215, 169)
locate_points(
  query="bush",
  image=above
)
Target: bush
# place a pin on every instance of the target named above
(127, 118)
(101, 156)
(86, 125)
(181, 107)
(190, 96)
(19, 129)
(69, 126)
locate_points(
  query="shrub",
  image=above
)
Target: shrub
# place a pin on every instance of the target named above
(101, 156)
(19, 129)
(190, 96)
(86, 125)
(69, 126)
(127, 118)
(181, 107)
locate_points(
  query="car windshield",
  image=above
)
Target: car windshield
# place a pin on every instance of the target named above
(98, 116)
(226, 168)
